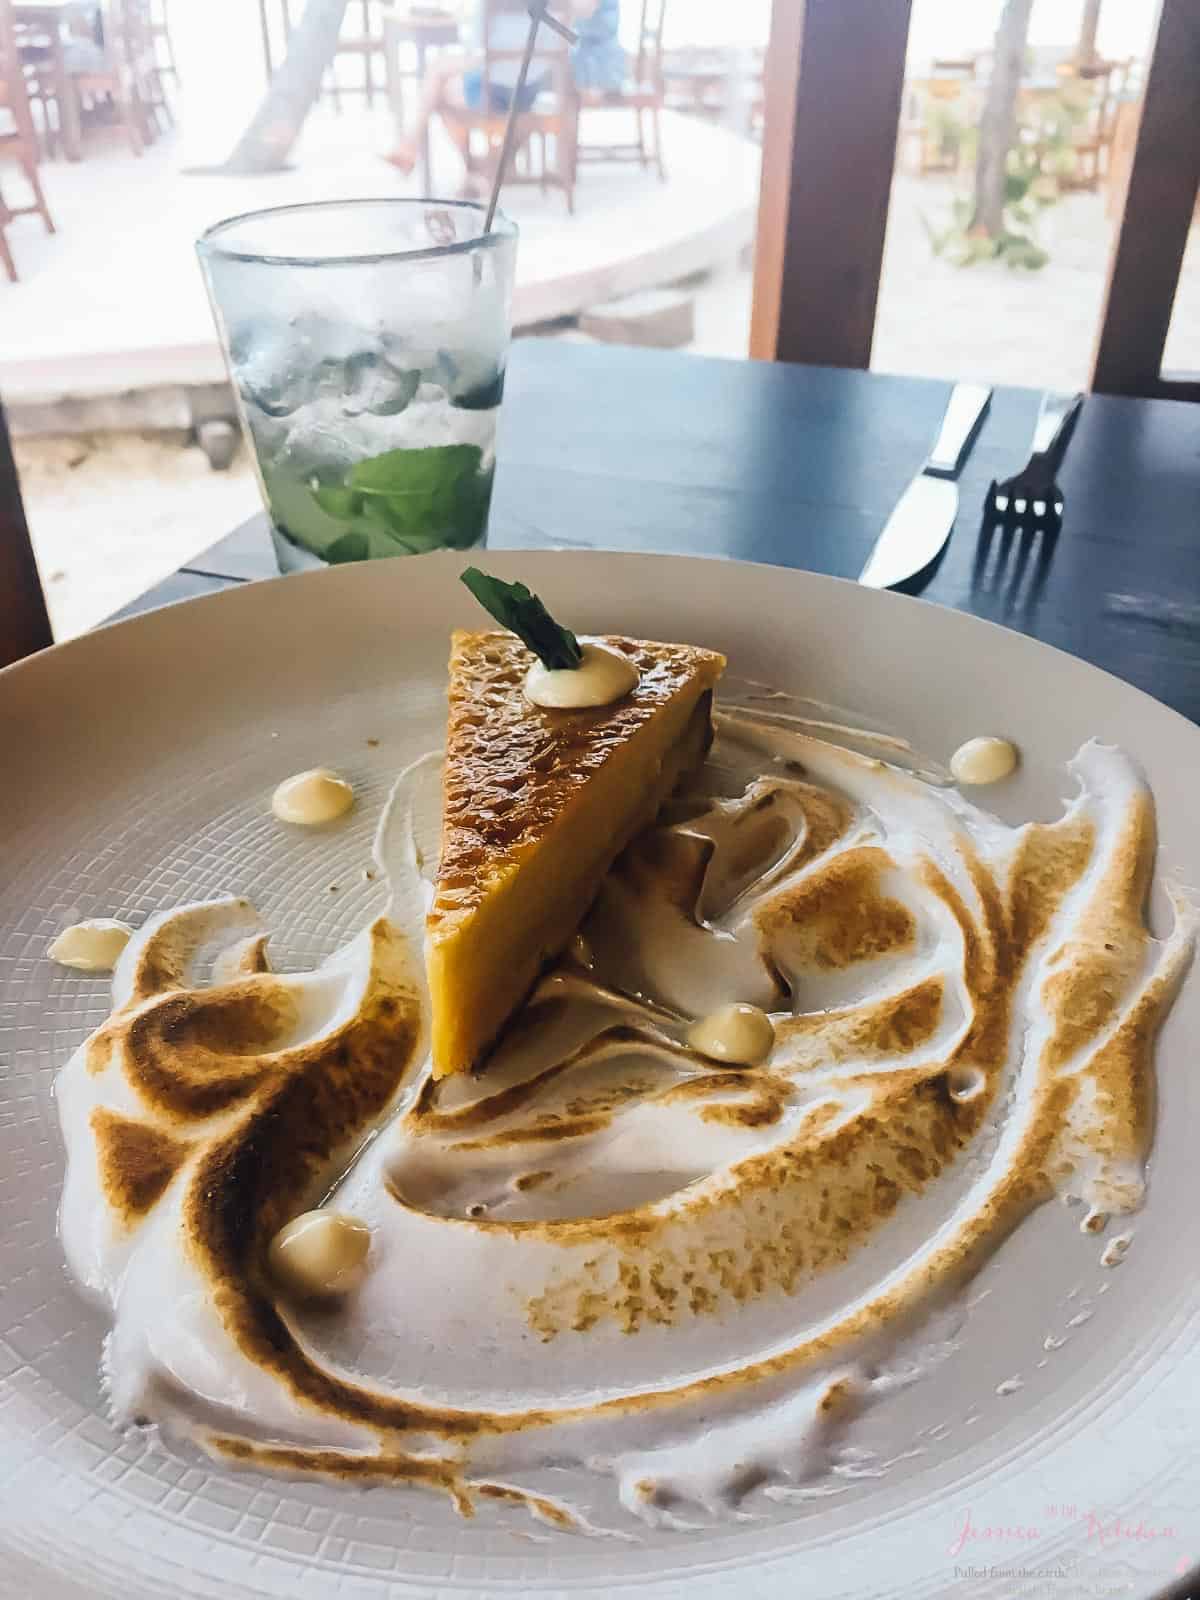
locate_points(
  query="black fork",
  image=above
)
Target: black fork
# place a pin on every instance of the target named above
(1024, 512)
(1032, 499)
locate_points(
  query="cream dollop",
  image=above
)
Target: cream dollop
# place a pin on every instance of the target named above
(604, 675)
(983, 760)
(91, 946)
(313, 797)
(740, 1034)
(319, 1253)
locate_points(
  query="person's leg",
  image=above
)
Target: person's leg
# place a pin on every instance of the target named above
(465, 90)
(488, 100)
(443, 85)
(468, 93)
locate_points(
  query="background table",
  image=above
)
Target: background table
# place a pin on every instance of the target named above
(799, 466)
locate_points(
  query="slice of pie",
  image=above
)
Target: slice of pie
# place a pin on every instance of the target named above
(536, 807)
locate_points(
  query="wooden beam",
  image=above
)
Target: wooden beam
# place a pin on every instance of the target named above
(781, 68)
(1147, 255)
(833, 86)
(24, 625)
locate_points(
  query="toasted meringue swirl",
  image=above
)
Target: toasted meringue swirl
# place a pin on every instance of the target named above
(608, 1251)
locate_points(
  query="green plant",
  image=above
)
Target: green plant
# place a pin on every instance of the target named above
(1042, 156)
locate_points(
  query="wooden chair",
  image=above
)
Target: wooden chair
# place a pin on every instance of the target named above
(40, 50)
(21, 138)
(363, 37)
(1093, 141)
(705, 82)
(643, 93)
(695, 81)
(133, 77)
(366, 44)
(547, 134)
(933, 108)
(121, 76)
(160, 27)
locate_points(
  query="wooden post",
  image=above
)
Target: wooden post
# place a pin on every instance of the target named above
(833, 84)
(998, 125)
(24, 624)
(291, 91)
(1147, 255)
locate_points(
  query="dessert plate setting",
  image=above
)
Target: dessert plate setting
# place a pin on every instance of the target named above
(723, 1130)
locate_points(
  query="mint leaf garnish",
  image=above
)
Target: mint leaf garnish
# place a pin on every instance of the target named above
(522, 613)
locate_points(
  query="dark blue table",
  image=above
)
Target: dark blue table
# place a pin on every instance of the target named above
(647, 450)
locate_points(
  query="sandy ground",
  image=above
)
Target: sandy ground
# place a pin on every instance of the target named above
(1034, 328)
(1037, 329)
(112, 514)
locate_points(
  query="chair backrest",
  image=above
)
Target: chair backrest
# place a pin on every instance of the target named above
(648, 67)
(13, 94)
(1098, 92)
(1111, 77)
(553, 52)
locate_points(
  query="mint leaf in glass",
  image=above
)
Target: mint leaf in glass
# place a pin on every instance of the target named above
(521, 612)
(350, 547)
(401, 502)
(416, 493)
(425, 471)
(334, 500)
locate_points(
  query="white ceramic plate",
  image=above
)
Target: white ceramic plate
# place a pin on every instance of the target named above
(138, 766)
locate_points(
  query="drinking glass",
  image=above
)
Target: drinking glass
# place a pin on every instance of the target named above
(366, 341)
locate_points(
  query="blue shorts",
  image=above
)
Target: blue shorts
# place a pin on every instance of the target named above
(499, 95)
